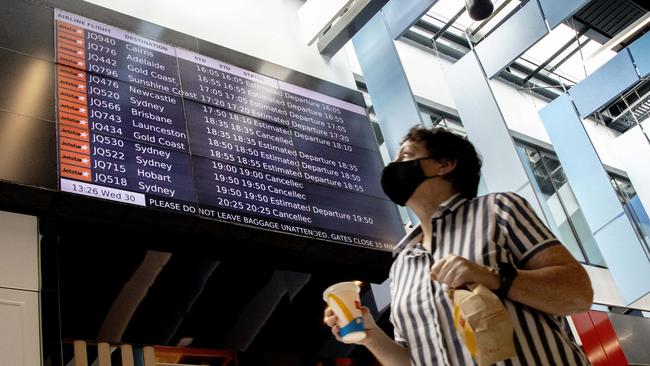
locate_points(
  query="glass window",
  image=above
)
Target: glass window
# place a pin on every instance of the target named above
(561, 209)
(633, 207)
(438, 120)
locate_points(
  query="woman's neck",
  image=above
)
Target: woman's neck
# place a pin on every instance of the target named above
(424, 208)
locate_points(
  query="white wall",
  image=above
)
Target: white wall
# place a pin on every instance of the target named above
(605, 290)
(519, 109)
(353, 61)
(267, 29)
(19, 291)
(18, 252)
(602, 138)
(426, 73)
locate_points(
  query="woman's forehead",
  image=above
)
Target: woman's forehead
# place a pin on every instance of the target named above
(412, 145)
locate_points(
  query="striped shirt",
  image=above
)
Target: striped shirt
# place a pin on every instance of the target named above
(486, 230)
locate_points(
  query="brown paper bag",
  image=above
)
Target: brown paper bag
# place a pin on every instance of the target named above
(483, 323)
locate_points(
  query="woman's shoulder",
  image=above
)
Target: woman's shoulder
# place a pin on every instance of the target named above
(412, 237)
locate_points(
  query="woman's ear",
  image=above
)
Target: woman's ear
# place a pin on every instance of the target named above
(446, 166)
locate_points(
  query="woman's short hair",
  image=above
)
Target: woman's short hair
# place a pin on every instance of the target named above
(443, 144)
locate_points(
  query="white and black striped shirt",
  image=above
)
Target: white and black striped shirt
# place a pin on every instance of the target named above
(486, 230)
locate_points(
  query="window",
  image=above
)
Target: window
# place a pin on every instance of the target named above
(561, 209)
(633, 207)
(434, 119)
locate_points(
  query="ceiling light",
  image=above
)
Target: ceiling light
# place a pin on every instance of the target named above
(479, 9)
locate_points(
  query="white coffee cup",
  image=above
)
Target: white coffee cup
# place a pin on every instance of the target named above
(343, 298)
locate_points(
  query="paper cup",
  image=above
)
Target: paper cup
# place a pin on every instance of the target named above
(343, 298)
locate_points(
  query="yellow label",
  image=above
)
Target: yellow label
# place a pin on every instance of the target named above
(464, 329)
(341, 305)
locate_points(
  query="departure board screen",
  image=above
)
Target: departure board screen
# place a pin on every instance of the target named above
(150, 124)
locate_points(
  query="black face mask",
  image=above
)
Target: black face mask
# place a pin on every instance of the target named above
(401, 178)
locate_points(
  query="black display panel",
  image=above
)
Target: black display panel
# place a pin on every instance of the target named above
(148, 124)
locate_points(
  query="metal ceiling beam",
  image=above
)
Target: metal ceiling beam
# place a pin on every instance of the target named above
(450, 36)
(558, 52)
(451, 22)
(527, 70)
(546, 92)
(422, 41)
(568, 56)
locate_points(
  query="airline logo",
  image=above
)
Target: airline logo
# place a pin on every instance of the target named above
(75, 172)
(73, 133)
(71, 84)
(74, 108)
(76, 75)
(73, 120)
(68, 157)
(72, 95)
(69, 28)
(71, 51)
(79, 147)
(70, 45)
(72, 99)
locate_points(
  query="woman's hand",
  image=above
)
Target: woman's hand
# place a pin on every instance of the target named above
(330, 320)
(456, 271)
(387, 351)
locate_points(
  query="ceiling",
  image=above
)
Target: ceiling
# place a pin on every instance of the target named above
(562, 58)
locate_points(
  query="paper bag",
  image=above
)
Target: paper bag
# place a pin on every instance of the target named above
(483, 323)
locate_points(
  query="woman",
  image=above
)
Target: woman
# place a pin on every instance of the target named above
(496, 240)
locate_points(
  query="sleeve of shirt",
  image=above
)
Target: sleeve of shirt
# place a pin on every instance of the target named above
(526, 234)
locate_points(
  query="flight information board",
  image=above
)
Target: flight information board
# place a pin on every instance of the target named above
(150, 124)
